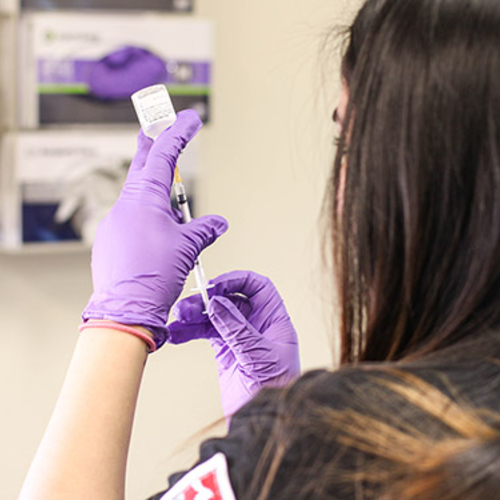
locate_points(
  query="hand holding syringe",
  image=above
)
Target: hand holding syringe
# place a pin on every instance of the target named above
(156, 113)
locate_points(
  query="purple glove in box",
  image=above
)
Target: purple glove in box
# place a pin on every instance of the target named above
(120, 74)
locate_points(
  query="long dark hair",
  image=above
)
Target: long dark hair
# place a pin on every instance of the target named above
(416, 227)
(400, 438)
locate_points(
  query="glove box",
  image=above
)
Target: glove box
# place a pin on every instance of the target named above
(57, 185)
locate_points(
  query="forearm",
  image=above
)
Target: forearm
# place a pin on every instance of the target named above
(84, 450)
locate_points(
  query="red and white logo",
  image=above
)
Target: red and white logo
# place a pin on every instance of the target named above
(207, 481)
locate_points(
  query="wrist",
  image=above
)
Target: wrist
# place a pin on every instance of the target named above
(154, 322)
(111, 322)
(140, 332)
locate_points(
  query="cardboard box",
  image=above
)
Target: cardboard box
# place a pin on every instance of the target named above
(65, 63)
(56, 185)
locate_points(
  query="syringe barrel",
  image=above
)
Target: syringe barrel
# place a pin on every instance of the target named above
(182, 201)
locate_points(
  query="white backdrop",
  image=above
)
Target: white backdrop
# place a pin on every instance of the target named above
(264, 162)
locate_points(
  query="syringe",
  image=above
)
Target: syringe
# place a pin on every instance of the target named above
(182, 201)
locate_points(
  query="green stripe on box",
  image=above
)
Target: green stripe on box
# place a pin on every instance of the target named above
(58, 88)
(83, 89)
(188, 90)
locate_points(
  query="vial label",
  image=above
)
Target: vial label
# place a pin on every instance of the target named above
(154, 105)
(157, 113)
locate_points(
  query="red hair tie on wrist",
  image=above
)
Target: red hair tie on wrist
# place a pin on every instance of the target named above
(111, 325)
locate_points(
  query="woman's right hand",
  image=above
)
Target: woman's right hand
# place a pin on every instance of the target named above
(142, 253)
(248, 326)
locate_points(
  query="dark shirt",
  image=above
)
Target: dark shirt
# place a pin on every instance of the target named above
(290, 417)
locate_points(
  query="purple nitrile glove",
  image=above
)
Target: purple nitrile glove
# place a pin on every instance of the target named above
(142, 254)
(125, 71)
(254, 340)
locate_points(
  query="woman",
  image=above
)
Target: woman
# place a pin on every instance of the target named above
(415, 207)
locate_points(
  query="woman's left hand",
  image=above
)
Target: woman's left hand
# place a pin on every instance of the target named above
(250, 330)
(142, 254)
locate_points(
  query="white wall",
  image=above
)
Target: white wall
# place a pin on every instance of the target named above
(265, 158)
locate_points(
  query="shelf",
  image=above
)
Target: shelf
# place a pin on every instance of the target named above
(46, 248)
